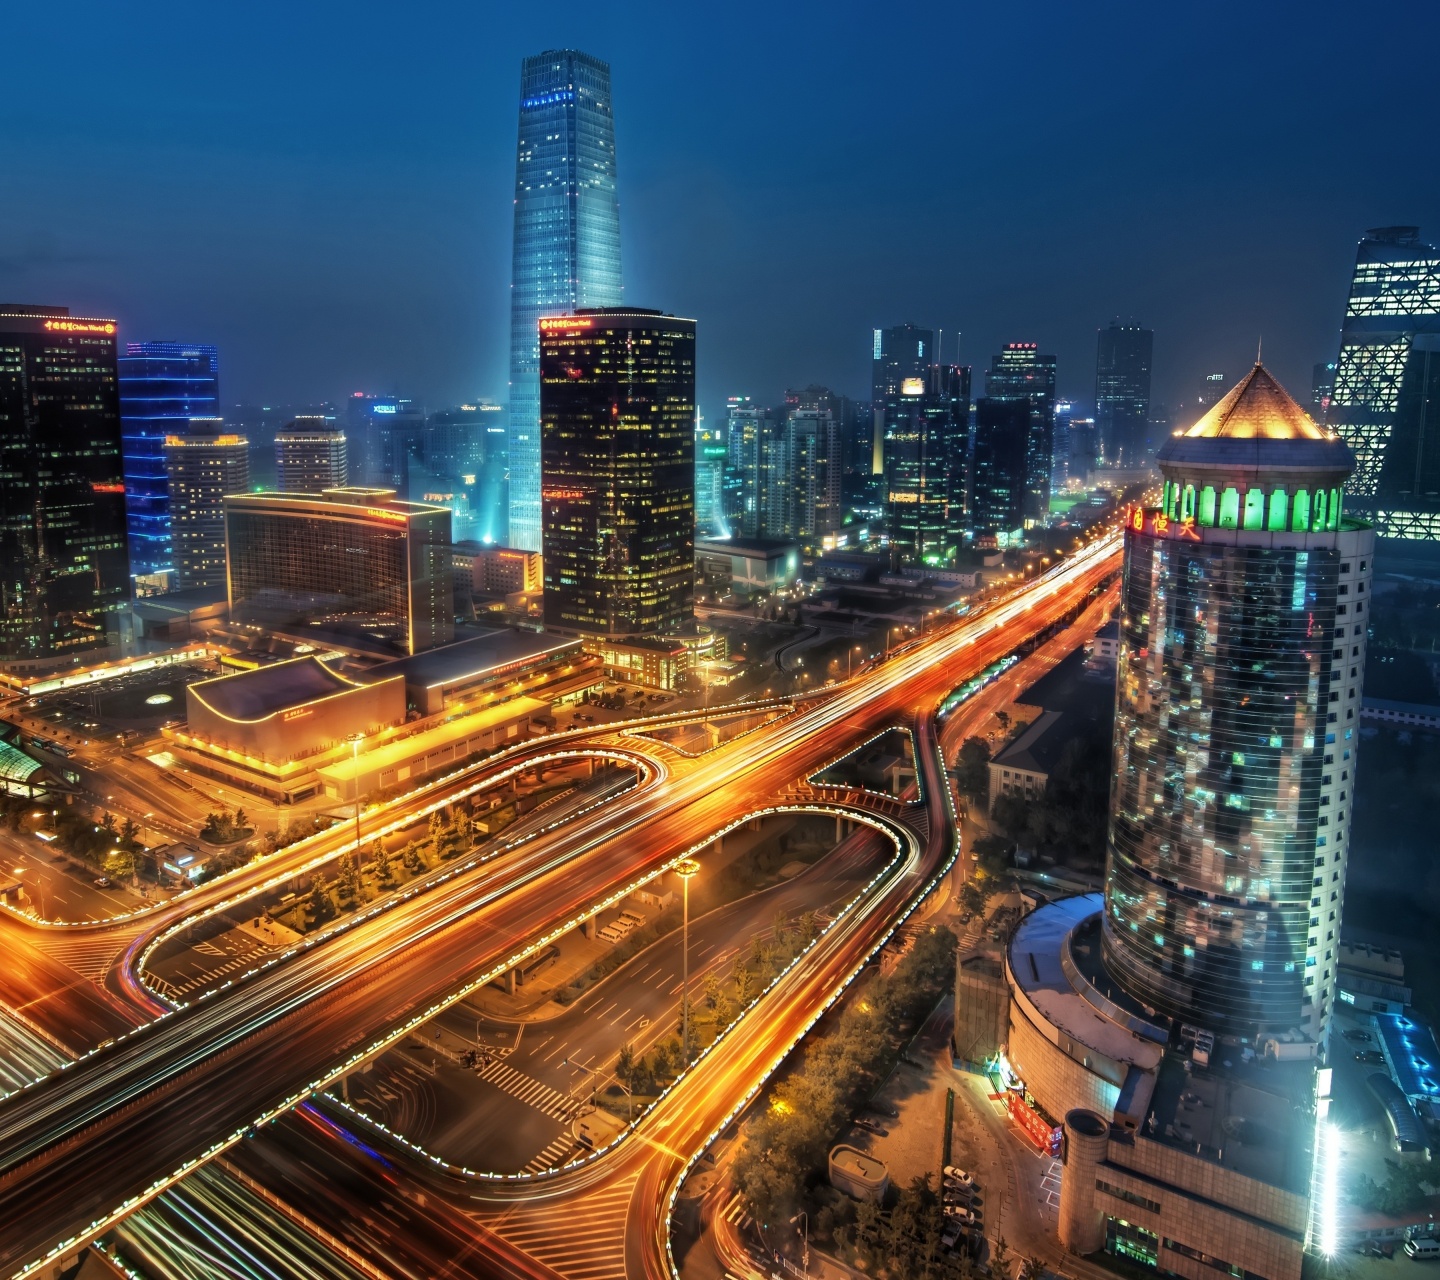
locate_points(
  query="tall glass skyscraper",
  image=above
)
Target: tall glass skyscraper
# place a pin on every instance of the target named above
(567, 241)
(927, 434)
(1020, 372)
(1122, 393)
(1392, 323)
(1242, 653)
(162, 386)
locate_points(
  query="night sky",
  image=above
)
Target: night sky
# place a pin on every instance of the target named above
(325, 190)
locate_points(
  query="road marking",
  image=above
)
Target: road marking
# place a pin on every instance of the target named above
(559, 1106)
(553, 1156)
(554, 1051)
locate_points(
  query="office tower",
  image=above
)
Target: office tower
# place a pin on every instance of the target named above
(310, 456)
(900, 354)
(353, 560)
(805, 502)
(1238, 716)
(925, 445)
(1392, 323)
(1212, 390)
(1122, 393)
(710, 454)
(63, 551)
(748, 428)
(1084, 450)
(385, 441)
(1000, 469)
(1322, 389)
(162, 386)
(617, 416)
(567, 241)
(1060, 458)
(202, 467)
(1020, 372)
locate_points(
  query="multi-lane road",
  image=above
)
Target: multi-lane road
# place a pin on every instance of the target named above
(89, 1144)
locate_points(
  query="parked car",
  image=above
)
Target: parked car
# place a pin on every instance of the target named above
(103, 882)
(959, 1175)
(1372, 1056)
(1356, 1034)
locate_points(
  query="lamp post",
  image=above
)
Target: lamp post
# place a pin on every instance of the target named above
(803, 1219)
(355, 739)
(850, 658)
(686, 868)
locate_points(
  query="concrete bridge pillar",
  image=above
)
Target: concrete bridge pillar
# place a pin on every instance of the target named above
(510, 981)
(588, 926)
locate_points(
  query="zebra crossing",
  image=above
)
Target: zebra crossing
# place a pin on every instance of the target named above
(553, 1156)
(91, 958)
(586, 1243)
(734, 1212)
(210, 976)
(557, 1105)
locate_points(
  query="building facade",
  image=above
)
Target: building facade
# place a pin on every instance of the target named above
(617, 405)
(567, 242)
(1021, 373)
(748, 429)
(64, 557)
(925, 446)
(311, 455)
(1000, 463)
(1123, 355)
(805, 502)
(202, 467)
(710, 457)
(899, 353)
(162, 386)
(350, 560)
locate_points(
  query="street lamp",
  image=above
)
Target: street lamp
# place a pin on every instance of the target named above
(803, 1219)
(686, 868)
(849, 659)
(355, 739)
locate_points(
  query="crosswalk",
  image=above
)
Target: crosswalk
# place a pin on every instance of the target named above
(553, 1156)
(211, 976)
(734, 1212)
(559, 1106)
(91, 958)
(586, 1243)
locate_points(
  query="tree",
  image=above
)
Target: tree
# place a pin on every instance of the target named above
(713, 989)
(1002, 718)
(1032, 1268)
(744, 984)
(660, 1061)
(972, 768)
(129, 835)
(625, 1066)
(240, 820)
(1000, 1258)
(120, 864)
(319, 908)
(380, 863)
(973, 897)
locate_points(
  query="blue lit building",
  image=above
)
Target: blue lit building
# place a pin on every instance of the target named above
(567, 241)
(162, 386)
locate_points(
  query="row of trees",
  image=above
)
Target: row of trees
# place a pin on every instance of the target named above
(788, 1142)
(225, 826)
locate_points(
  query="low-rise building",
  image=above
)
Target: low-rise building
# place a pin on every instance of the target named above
(1023, 768)
(657, 664)
(750, 566)
(498, 571)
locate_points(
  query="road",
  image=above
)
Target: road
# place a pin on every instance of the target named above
(89, 1144)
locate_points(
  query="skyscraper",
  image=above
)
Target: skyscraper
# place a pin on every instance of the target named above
(567, 241)
(162, 386)
(1122, 393)
(806, 500)
(925, 445)
(710, 521)
(747, 429)
(1322, 389)
(310, 456)
(1391, 319)
(617, 411)
(902, 352)
(64, 562)
(202, 467)
(1020, 372)
(1000, 462)
(1238, 714)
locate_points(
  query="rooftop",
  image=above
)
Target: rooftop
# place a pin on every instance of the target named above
(472, 659)
(1258, 407)
(747, 546)
(252, 696)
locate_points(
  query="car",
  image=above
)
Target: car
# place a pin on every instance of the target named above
(1377, 1249)
(870, 1126)
(959, 1175)
(103, 882)
(1356, 1034)
(1373, 1056)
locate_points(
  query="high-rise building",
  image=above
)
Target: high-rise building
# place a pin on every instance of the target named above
(1213, 388)
(1242, 634)
(351, 560)
(617, 414)
(567, 241)
(310, 456)
(1060, 458)
(1000, 469)
(64, 561)
(899, 353)
(1020, 372)
(1083, 448)
(806, 502)
(162, 386)
(748, 429)
(1392, 322)
(1322, 389)
(1122, 393)
(202, 467)
(926, 441)
(710, 456)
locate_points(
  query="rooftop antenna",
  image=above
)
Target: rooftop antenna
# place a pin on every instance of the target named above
(1259, 344)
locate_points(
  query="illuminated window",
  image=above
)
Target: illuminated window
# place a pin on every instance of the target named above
(1279, 510)
(1187, 504)
(1229, 509)
(1255, 509)
(1300, 512)
(1207, 505)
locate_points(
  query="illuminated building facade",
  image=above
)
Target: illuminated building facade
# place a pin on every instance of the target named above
(350, 560)
(1022, 374)
(567, 241)
(162, 386)
(806, 502)
(1382, 400)
(1000, 469)
(899, 353)
(748, 429)
(1243, 618)
(311, 455)
(710, 455)
(64, 559)
(925, 445)
(201, 467)
(1123, 356)
(617, 408)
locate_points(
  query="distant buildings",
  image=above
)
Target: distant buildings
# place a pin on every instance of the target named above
(1021, 373)
(748, 429)
(352, 560)
(1322, 389)
(900, 353)
(617, 409)
(1387, 376)
(310, 456)
(710, 457)
(567, 241)
(1123, 355)
(202, 466)
(64, 559)
(162, 386)
(806, 473)
(925, 445)
(1000, 470)
(498, 571)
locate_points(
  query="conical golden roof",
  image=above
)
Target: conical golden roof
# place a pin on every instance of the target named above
(1259, 408)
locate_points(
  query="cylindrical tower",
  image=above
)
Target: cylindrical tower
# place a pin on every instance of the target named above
(1242, 651)
(1081, 1224)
